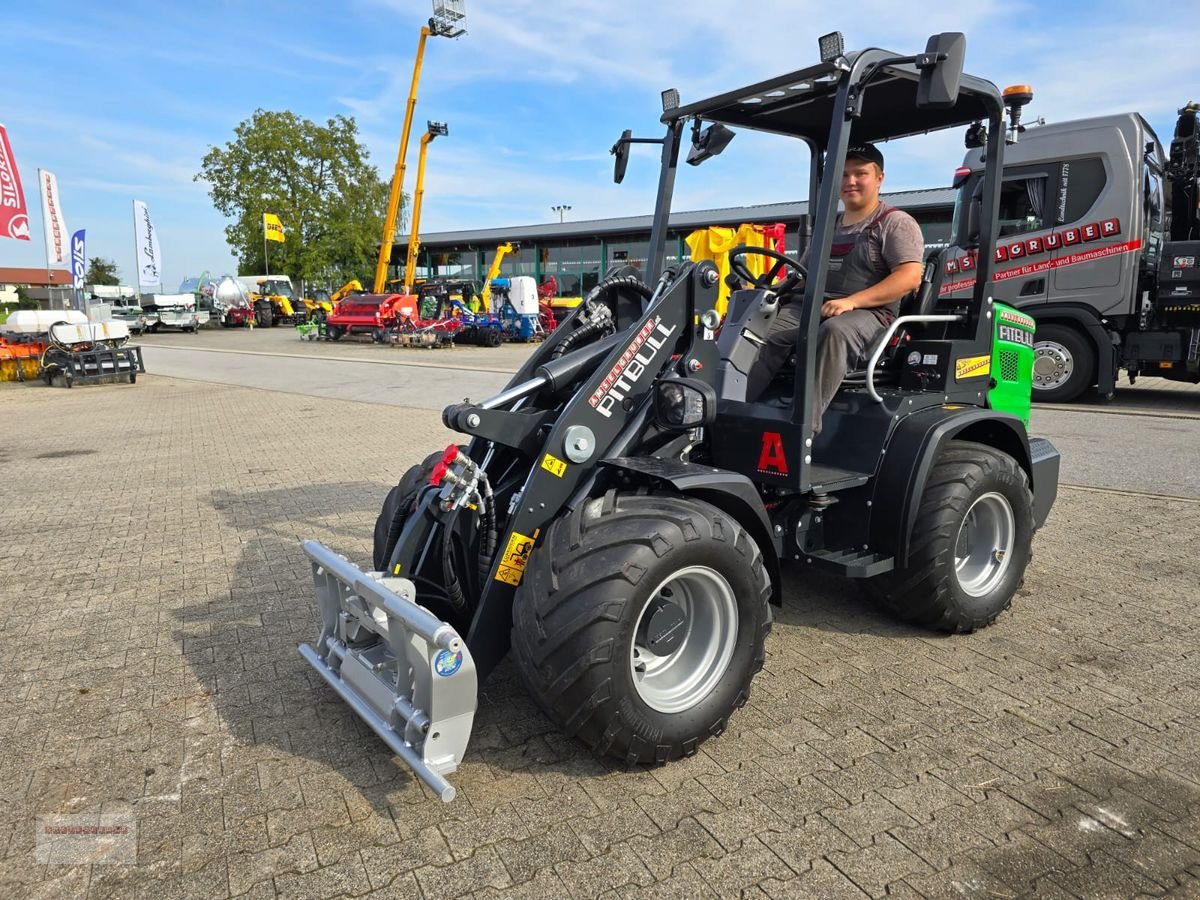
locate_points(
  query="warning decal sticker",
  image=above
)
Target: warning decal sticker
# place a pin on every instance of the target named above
(972, 367)
(516, 554)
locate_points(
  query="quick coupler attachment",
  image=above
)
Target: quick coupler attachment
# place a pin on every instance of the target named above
(407, 674)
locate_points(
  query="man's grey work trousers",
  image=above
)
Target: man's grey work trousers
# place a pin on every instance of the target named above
(842, 342)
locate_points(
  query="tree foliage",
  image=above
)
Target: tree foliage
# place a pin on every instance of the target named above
(319, 182)
(24, 301)
(101, 271)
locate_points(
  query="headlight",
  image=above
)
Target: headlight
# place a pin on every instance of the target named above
(683, 403)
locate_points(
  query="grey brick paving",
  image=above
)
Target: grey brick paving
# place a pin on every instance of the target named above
(153, 594)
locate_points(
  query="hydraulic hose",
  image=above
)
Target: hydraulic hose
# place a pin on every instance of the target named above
(600, 323)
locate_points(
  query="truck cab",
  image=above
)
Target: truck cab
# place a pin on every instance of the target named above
(1084, 217)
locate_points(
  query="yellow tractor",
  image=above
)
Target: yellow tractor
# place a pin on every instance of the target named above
(273, 301)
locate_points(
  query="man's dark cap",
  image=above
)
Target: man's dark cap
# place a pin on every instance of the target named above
(866, 151)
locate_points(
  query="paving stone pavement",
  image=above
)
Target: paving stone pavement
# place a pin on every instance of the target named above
(153, 595)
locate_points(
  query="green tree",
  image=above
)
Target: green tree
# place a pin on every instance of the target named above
(319, 182)
(101, 271)
(24, 301)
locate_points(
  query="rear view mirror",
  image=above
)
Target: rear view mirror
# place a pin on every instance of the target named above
(621, 151)
(941, 68)
(975, 215)
(709, 143)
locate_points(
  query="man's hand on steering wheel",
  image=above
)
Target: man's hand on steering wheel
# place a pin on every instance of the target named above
(796, 272)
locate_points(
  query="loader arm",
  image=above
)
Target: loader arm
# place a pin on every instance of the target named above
(604, 418)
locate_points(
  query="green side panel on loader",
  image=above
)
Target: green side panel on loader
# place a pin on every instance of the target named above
(1012, 362)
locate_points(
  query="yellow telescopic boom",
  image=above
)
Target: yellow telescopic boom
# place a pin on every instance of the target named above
(414, 238)
(445, 23)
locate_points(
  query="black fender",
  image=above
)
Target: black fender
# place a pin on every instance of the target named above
(1106, 341)
(730, 492)
(914, 446)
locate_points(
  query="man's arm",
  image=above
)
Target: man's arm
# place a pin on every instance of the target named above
(903, 280)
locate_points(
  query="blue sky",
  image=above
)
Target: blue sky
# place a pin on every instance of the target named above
(122, 99)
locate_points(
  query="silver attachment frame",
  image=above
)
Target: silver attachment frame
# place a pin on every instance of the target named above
(415, 686)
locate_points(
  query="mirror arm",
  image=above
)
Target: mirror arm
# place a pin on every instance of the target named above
(634, 140)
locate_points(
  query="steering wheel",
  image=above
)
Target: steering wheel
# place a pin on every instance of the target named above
(738, 266)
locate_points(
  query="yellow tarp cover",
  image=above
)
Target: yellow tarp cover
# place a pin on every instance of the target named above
(716, 241)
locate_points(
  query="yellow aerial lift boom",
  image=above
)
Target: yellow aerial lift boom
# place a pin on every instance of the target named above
(503, 250)
(443, 23)
(434, 129)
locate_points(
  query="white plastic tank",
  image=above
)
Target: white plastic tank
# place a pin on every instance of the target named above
(522, 294)
(38, 321)
(89, 332)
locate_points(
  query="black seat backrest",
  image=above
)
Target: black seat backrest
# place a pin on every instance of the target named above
(922, 301)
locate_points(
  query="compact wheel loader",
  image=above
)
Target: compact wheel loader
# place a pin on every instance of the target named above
(618, 516)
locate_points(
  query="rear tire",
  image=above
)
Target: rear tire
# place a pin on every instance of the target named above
(1064, 363)
(582, 620)
(334, 332)
(971, 543)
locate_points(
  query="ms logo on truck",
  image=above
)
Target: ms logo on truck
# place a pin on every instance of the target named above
(624, 376)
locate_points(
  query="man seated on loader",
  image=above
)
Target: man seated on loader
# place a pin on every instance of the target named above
(876, 259)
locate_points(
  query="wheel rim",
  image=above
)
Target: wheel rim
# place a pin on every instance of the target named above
(676, 681)
(1053, 365)
(984, 549)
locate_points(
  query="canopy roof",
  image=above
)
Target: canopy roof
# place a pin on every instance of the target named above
(801, 103)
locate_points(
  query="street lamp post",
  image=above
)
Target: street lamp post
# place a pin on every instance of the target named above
(560, 210)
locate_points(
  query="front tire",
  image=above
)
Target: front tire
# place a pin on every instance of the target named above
(1064, 364)
(640, 624)
(971, 543)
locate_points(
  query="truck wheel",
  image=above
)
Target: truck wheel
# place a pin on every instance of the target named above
(970, 546)
(1064, 364)
(334, 332)
(492, 339)
(640, 623)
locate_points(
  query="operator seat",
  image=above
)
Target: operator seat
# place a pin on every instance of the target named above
(920, 302)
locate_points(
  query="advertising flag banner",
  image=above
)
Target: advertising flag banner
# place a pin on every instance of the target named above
(149, 258)
(273, 228)
(57, 237)
(14, 218)
(78, 258)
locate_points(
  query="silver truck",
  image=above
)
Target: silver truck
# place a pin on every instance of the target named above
(1099, 242)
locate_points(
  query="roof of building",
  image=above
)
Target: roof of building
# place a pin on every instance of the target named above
(34, 276)
(733, 215)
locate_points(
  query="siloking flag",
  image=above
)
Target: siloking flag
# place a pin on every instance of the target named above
(14, 218)
(149, 258)
(57, 241)
(272, 227)
(78, 258)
